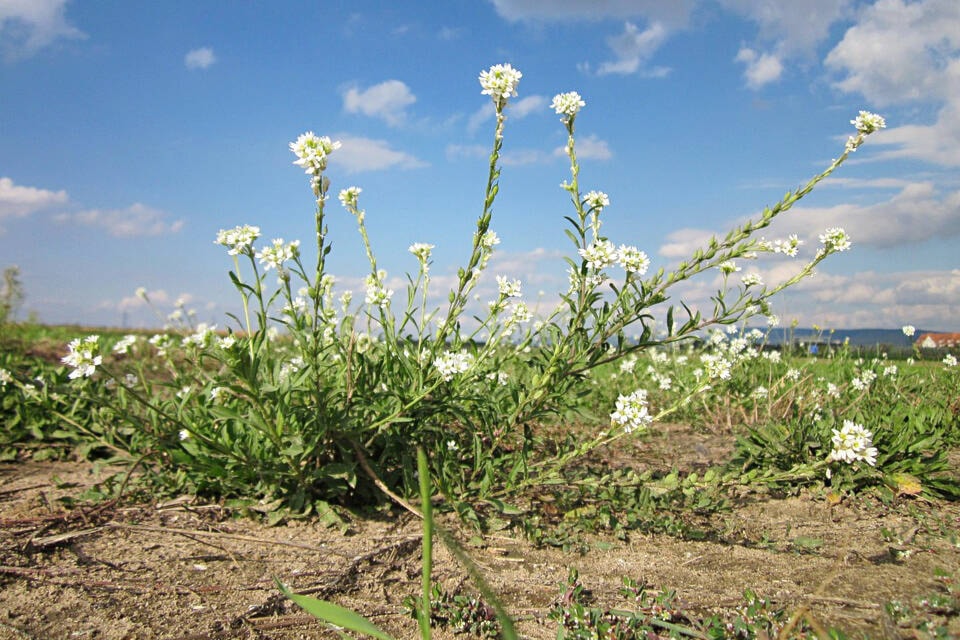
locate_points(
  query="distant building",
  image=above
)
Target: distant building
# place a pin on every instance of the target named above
(938, 340)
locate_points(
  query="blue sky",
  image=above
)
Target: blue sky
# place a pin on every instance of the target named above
(131, 132)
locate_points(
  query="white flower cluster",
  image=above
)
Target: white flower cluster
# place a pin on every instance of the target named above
(451, 364)
(122, 347)
(5, 377)
(421, 250)
(633, 260)
(274, 256)
(950, 360)
(509, 288)
(852, 443)
(239, 239)
(600, 254)
(596, 200)
(377, 294)
(203, 337)
(567, 104)
(500, 82)
(83, 356)
(728, 266)
(631, 412)
(752, 280)
(788, 247)
(312, 152)
(349, 197)
(835, 239)
(867, 122)
(909, 330)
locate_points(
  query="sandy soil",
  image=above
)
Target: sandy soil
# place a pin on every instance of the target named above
(179, 569)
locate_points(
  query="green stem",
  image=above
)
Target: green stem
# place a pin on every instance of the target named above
(423, 470)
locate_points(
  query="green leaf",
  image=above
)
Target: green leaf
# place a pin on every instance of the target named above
(335, 614)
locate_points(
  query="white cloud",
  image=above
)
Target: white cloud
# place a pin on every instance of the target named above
(633, 48)
(589, 148)
(27, 26)
(457, 151)
(18, 201)
(917, 213)
(517, 110)
(899, 52)
(794, 28)
(202, 58)
(525, 106)
(387, 101)
(365, 154)
(761, 68)
(674, 13)
(481, 115)
(907, 53)
(683, 242)
(137, 220)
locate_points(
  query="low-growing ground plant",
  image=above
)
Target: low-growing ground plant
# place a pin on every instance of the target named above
(313, 397)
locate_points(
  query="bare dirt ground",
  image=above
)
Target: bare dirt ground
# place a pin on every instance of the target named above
(179, 569)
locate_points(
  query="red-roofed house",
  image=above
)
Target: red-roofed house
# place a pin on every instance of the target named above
(938, 340)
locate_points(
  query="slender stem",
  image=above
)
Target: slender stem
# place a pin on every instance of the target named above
(423, 470)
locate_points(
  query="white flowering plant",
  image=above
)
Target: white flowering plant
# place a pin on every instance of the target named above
(318, 395)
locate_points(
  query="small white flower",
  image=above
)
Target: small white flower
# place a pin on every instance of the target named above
(867, 122)
(349, 197)
(421, 250)
(451, 364)
(752, 280)
(596, 200)
(508, 288)
(761, 392)
(789, 247)
(728, 266)
(835, 239)
(567, 104)
(274, 256)
(909, 330)
(599, 255)
(239, 239)
(124, 344)
(5, 377)
(950, 360)
(489, 239)
(83, 356)
(852, 443)
(633, 260)
(312, 152)
(631, 412)
(521, 314)
(500, 82)
(184, 434)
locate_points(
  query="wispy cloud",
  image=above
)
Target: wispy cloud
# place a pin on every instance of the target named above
(17, 201)
(28, 26)
(588, 147)
(387, 101)
(915, 214)
(762, 68)
(907, 53)
(137, 220)
(366, 154)
(633, 48)
(202, 58)
(674, 13)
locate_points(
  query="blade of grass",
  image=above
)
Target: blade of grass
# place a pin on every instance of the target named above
(335, 614)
